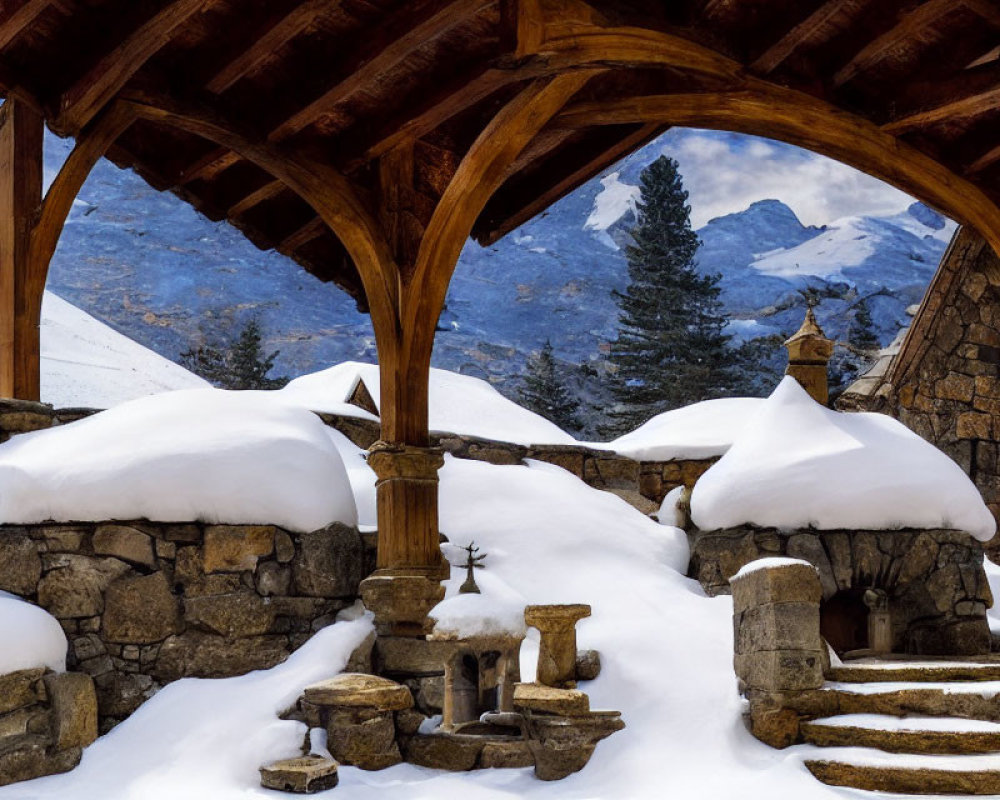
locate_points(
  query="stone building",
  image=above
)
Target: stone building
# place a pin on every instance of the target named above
(943, 381)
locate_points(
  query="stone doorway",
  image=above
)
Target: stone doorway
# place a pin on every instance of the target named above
(843, 621)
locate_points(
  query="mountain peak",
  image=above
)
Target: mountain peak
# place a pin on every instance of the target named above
(926, 216)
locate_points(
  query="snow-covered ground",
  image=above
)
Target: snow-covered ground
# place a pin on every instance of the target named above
(86, 363)
(665, 647)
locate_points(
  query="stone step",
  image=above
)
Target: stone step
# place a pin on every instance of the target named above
(873, 770)
(915, 671)
(966, 699)
(924, 735)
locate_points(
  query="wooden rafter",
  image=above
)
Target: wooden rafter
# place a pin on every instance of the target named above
(987, 159)
(375, 58)
(13, 23)
(254, 199)
(208, 166)
(114, 69)
(313, 229)
(266, 43)
(985, 9)
(558, 183)
(908, 25)
(771, 59)
(967, 93)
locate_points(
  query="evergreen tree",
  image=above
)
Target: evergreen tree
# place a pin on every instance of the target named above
(239, 364)
(862, 335)
(670, 349)
(543, 391)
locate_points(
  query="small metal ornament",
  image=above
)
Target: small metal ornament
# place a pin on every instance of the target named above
(471, 564)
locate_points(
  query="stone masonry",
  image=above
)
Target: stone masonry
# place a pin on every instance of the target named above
(145, 603)
(944, 383)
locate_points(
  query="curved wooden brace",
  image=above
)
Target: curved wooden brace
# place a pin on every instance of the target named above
(90, 146)
(329, 193)
(764, 109)
(479, 175)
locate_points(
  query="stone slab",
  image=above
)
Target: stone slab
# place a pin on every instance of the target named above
(358, 690)
(548, 700)
(304, 775)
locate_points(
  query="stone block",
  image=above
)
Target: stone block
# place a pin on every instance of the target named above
(838, 548)
(964, 636)
(777, 727)
(955, 386)
(87, 646)
(570, 460)
(182, 533)
(20, 564)
(778, 626)
(792, 583)
(140, 610)
(363, 738)
(330, 562)
(546, 699)
(62, 538)
(359, 690)
(74, 586)
(717, 556)
(588, 665)
(273, 578)
(30, 758)
(506, 755)
(304, 775)
(236, 548)
(237, 614)
(444, 751)
(780, 670)
(124, 542)
(204, 655)
(284, 547)
(974, 425)
(74, 709)
(808, 547)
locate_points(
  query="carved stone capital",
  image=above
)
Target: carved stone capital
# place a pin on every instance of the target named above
(405, 461)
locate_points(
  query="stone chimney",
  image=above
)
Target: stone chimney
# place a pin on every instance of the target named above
(809, 353)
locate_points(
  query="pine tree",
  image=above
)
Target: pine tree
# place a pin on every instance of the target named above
(543, 392)
(240, 364)
(862, 334)
(670, 349)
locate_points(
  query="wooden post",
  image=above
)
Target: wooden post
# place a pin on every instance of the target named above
(21, 131)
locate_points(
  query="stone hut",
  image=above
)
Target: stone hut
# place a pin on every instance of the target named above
(893, 526)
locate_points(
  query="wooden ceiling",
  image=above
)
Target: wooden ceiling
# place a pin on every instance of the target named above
(907, 90)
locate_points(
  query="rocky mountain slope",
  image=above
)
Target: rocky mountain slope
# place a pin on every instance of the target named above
(151, 267)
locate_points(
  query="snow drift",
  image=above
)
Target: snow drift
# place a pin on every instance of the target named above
(700, 430)
(458, 404)
(31, 637)
(202, 454)
(800, 465)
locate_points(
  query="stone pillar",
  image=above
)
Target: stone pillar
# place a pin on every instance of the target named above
(405, 585)
(809, 354)
(557, 648)
(778, 648)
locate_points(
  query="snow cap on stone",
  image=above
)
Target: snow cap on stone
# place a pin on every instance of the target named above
(800, 465)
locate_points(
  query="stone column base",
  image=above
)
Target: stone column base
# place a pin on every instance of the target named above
(400, 600)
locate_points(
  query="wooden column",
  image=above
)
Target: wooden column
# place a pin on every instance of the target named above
(21, 131)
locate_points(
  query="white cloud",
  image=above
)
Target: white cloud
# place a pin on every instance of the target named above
(725, 173)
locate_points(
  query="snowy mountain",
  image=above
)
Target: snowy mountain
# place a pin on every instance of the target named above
(151, 267)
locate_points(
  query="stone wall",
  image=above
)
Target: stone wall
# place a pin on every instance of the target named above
(46, 718)
(944, 383)
(937, 589)
(144, 603)
(644, 484)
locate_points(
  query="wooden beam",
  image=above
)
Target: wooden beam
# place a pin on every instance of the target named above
(313, 229)
(208, 166)
(771, 59)
(89, 94)
(987, 159)
(254, 199)
(438, 107)
(21, 132)
(339, 202)
(965, 93)
(408, 33)
(266, 42)
(12, 24)
(570, 178)
(764, 109)
(985, 9)
(908, 25)
(92, 143)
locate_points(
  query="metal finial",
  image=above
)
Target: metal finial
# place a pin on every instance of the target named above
(471, 564)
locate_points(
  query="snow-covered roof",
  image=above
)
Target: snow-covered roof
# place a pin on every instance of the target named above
(31, 637)
(701, 430)
(458, 404)
(201, 454)
(798, 464)
(86, 363)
